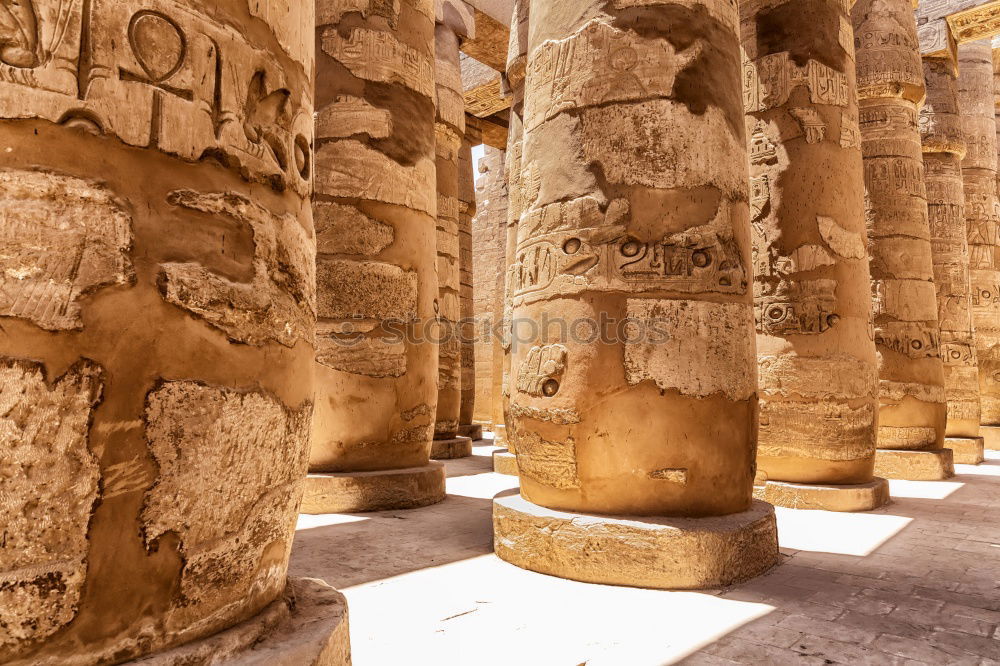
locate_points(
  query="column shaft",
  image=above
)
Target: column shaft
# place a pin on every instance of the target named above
(979, 169)
(812, 291)
(907, 334)
(943, 142)
(467, 329)
(158, 304)
(376, 204)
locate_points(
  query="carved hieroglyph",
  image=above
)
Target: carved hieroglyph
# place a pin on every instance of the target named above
(815, 348)
(907, 335)
(157, 313)
(976, 103)
(944, 147)
(489, 239)
(375, 206)
(632, 205)
(449, 133)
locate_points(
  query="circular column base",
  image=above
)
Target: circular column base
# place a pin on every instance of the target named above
(473, 431)
(856, 497)
(450, 449)
(307, 626)
(991, 437)
(356, 492)
(914, 465)
(966, 450)
(637, 551)
(505, 462)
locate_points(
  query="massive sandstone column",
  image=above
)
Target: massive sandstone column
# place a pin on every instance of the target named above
(912, 412)
(158, 312)
(504, 460)
(375, 206)
(489, 237)
(944, 147)
(450, 132)
(635, 423)
(979, 168)
(467, 326)
(815, 347)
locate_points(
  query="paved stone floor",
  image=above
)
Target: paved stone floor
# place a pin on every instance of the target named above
(917, 582)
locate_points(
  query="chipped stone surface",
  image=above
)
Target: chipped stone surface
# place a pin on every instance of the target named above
(49, 487)
(277, 304)
(366, 290)
(710, 353)
(62, 239)
(344, 229)
(549, 463)
(246, 453)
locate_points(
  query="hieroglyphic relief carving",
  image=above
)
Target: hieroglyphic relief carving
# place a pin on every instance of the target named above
(247, 452)
(277, 304)
(204, 86)
(817, 374)
(49, 485)
(541, 371)
(376, 55)
(62, 238)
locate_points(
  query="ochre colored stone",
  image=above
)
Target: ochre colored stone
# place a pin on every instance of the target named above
(845, 497)
(966, 450)
(912, 410)
(818, 374)
(473, 432)
(991, 437)
(307, 626)
(376, 194)
(158, 296)
(355, 492)
(638, 551)
(505, 462)
(915, 465)
(449, 449)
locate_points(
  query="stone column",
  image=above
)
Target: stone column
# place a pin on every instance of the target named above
(467, 325)
(634, 407)
(375, 206)
(912, 411)
(815, 347)
(944, 147)
(979, 169)
(504, 460)
(158, 304)
(489, 237)
(449, 124)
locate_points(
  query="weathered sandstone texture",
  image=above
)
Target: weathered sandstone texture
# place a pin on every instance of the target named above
(449, 126)
(890, 74)
(943, 141)
(489, 234)
(467, 310)
(812, 290)
(636, 443)
(979, 171)
(375, 205)
(158, 305)
(966, 450)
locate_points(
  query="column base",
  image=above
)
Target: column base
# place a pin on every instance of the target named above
(914, 465)
(966, 450)
(473, 431)
(308, 626)
(855, 497)
(991, 437)
(449, 449)
(504, 462)
(648, 551)
(356, 492)
(499, 435)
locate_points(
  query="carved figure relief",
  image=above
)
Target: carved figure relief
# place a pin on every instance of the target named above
(541, 371)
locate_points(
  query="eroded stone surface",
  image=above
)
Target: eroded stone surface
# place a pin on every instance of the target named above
(63, 238)
(246, 453)
(278, 303)
(49, 485)
(812, 290)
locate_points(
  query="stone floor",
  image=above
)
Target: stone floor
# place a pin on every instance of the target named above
(917, 582)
